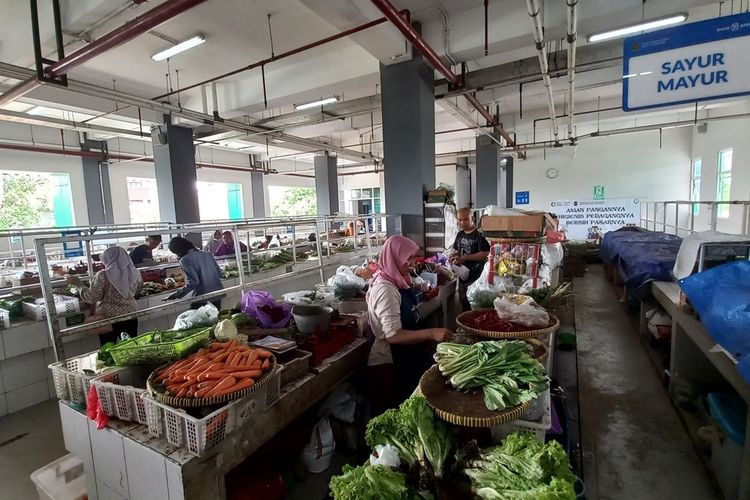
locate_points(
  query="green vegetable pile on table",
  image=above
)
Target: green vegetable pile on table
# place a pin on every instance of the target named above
(522, 468)
(505, 370)
(370, 482)
(14, 305)
(549, 298)
(413, 430)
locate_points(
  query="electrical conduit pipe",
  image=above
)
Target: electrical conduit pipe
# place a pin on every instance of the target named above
(572, 40)
(538, 32)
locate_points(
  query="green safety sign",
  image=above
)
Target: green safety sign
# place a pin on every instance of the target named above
(598, 192)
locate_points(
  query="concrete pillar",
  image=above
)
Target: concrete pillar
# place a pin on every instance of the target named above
(176, 177)
(258, 187)
(408, 110)
(487, 171)
(505, 183)
(463, 184)
(96, 184)
(326, 184)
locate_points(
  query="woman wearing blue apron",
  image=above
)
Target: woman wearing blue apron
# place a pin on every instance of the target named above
(400, 348)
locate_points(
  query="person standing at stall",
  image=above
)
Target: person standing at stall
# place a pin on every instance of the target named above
(214, 243)
(398, 354)
(142, 254)
(227, 245)
(112, 292)
(472, 250)
(202, 273)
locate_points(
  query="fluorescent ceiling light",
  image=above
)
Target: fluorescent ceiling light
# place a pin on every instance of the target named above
(277, 141)
(322, 102)
(180, 47)
(628, 30)
(36, 110)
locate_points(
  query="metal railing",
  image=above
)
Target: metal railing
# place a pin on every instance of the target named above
(679, 217)
(322, 226)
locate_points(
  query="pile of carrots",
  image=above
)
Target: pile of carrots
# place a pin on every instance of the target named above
(220, 369)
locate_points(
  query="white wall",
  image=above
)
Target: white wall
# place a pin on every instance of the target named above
(721, 135)
(628, 166)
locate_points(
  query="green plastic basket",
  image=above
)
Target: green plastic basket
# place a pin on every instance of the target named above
(139, 351)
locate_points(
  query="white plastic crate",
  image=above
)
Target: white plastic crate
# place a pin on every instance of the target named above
(63, 305)
(4, 319)
(71, 383)
(120, 392)
(199, 435)
(537, 427)
(62, 479)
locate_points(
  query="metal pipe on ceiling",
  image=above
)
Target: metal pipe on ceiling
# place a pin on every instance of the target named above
(121, 35)
(406, 29)
(538, 32)
(276, 57)
(572, 36)
(18, 90)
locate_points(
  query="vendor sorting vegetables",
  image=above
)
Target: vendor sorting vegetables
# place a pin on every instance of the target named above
(396, 360)
(202, 273)
(142, 254)
(227, 245)
(112, 291)
(472, 250)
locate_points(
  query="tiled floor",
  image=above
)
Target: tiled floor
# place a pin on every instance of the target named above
(29, 439)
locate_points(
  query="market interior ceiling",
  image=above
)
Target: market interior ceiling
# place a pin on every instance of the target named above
(239, 33)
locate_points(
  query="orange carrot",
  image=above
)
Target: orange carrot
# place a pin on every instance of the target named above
(256, 365)
(211, 376)
(247, 373)
(242, 384)
(182, 392)
(226, 382)
(266, 364)
(263, 354)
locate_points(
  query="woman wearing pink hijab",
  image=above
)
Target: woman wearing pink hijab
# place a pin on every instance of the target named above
(395, 362)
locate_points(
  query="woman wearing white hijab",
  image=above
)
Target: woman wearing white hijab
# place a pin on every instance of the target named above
(113, 292)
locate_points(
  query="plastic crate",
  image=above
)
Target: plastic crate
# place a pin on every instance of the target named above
(62, 479)
(63, 305)
(139, 351)
(120, 392)
(199, 435)
(71, 384)
(297, 367)
(537, 427)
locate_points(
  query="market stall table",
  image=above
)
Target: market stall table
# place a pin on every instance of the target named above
(124, 461)
(693, 355)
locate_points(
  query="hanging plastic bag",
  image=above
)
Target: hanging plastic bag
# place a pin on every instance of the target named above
(262, 306)
(521, 309)
(482, 295)
(206, 315)
(385, 455)
(94, 409)
(317, 455)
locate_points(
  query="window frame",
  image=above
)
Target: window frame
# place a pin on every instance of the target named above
(723, 176)
(695, 184)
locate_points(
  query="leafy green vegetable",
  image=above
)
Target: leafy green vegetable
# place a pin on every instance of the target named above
(105, 356)
(505, 370)
(370, 482)
(522, 468)
(242, 319)
(415, 432)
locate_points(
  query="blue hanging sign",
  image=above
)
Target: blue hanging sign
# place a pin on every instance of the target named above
(522, 197)
(72, 248)
(696, 62)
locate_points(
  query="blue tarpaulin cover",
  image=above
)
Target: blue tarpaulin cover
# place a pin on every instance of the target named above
(721, 296)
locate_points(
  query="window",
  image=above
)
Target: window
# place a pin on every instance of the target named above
(220, 201)
(724, 182)
(695, 185)
(33, 199)
(289, 201)
(143, 199)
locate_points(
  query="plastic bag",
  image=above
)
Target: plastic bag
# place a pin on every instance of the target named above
(345, 283)
(262, 306)
(203, 316)
(385, 455)
(522, 310)
(341, 403)
(722, 298)
(482, 295)
(94, 409)
(317, 455)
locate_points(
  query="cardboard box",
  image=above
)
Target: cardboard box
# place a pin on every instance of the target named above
(437, 196)
(527, 225)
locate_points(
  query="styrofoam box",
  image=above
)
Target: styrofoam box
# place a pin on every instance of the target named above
(199, 435)
(537, 427)
(4, 319)
(63, 305)
(71, 383)
(120, 392)
(62, 479)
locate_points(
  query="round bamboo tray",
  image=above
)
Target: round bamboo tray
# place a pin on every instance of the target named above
(159, 391)
(466, 409)
(554, 324)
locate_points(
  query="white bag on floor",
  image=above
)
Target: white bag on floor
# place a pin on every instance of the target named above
(318, 453)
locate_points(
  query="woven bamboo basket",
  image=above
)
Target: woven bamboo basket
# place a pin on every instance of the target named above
(160, 393)
(552, 328)
(466, 409)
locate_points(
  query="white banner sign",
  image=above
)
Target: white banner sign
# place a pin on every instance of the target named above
(590, 219)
